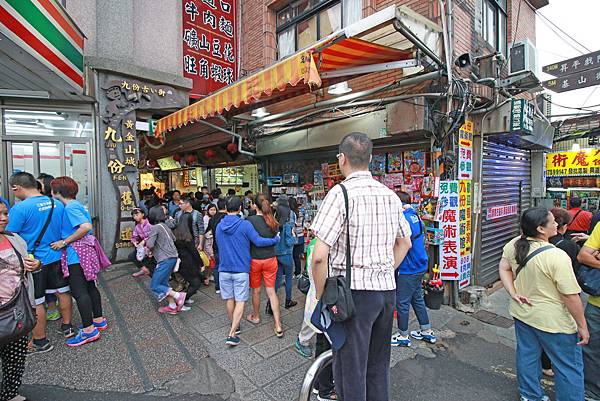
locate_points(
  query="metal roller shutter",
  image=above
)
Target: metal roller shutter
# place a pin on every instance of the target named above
(506, 180)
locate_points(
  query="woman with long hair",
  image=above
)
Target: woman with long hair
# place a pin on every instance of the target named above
(298, 249)
(81, 261)
(546, 307)
(14, 264)
(264, 262)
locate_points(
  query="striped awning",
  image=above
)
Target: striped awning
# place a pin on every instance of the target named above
(372, 40)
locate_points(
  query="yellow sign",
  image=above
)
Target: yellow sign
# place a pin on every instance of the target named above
(115, 166)
(111, 135)
(585, 162)
(167, 163)
(126, 199)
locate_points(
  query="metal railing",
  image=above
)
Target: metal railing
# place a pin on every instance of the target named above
(307, 384)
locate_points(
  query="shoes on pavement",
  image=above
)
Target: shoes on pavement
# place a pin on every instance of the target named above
(328, 397)
(52, 316)
(426, 336)
(544, 398)
(185, 308)
(188, 302)
(238, 331)
(142, 272)
(168, 310)
(303, 350)
(217, 291)
(83, 338)
(290, 304)
(103, 325)
(233, 341)
(68, 330)
(400, 341)
(40, 349)
(180, 300)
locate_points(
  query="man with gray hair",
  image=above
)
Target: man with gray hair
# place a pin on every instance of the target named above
(379, 240)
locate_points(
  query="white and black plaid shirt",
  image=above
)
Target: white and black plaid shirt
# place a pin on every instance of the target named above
(376, 220)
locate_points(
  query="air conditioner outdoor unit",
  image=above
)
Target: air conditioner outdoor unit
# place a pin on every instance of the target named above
(523, 58)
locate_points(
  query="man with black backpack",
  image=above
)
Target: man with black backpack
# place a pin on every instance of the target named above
(409, 276)
(38, 219)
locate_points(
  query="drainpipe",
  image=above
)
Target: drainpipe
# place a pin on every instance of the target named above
(346, 98)
(233, 134)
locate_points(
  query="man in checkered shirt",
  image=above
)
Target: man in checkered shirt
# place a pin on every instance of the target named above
(379, 241)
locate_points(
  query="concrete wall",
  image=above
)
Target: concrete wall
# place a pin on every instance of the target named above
(144, 33)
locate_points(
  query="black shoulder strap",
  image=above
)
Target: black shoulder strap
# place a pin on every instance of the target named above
(576, 214)
(531, 256)
(39, 238)
(348, 252)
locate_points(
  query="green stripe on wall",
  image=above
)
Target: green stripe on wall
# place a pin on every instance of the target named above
(46, 28)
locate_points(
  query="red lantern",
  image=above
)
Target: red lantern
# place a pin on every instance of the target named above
(232, 148)
(190, 159)
(210, 154)
(177, 157)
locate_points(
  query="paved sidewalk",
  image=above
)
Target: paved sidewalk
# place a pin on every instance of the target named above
(147, 355)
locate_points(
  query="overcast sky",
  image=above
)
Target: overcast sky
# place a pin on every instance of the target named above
(579, 19)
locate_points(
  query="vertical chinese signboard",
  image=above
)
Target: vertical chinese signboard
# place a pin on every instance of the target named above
(209, 44)
(449, 224)
(464, 205)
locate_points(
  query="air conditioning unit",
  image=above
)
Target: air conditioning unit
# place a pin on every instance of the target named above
(544, 103)
(523, 58)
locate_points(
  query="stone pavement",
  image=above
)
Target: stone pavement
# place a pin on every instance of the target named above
(149, 355)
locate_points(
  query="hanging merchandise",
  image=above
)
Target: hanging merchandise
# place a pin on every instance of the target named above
(394, 164)
(414, 162)
(377, 165)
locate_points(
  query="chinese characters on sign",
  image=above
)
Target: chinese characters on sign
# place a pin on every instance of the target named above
(464, 207)
(465, 159)
(449, 224)
(574, 65)
(498, 212)
(521, 116)
(574, 163)
(209, 44)
(574, 81)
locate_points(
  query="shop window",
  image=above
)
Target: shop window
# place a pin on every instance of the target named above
(304, 22)
(48, 123)
(494, 24)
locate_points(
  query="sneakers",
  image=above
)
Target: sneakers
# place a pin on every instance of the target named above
(290, 304)
(180, 300)
(329, 397)
(217, 291)
(68, 330)
(185, 308)
(426, 336)
(238, 331)
(102, 325)
(142, 272)
(303, 350)
(168, 310)
(52, 316)
(189, 302)
(40, 349)
(83, 338)
(400, 341)
(233, 341)
(544, 398)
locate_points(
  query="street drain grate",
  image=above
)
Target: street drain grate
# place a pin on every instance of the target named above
(493, 318)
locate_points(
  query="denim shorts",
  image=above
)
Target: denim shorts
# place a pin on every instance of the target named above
(234, 286)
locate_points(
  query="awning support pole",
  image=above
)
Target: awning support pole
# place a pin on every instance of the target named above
(233, 134)
(346, 98)
(400, 27)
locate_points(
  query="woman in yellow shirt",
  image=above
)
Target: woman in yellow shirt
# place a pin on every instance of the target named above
(546, 307)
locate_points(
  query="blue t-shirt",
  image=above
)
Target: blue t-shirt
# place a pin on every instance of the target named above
(74, 216)
(416, 260)
(27, 218)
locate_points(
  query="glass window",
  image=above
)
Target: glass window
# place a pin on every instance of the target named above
(286, 42)
(49, 158)
(284, 16)
(22, 158)
(502, 34)
(302, 7)
(352, 11)
(494, 24)
(330, 20)
(76, 167)
(307, 32)
(48, 123)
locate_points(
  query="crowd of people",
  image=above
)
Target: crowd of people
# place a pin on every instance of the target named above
(355, 281)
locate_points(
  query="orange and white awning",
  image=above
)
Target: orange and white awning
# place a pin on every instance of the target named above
(372, 40)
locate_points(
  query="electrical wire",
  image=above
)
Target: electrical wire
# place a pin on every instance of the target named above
(564, 33)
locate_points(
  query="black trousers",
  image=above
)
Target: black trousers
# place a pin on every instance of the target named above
(190, 266)
(150, 263)
(86, 294)
(361, 368)
(325, 379)
(12, 356)
(297, 253)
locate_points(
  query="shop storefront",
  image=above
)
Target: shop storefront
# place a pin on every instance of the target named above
(573, 173)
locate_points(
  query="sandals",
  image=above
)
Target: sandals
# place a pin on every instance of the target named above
(251, 319)
(278, 333)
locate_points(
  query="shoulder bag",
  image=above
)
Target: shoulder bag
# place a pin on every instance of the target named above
(531, 256)
(589, 280)
(17, 316)
(337, 295)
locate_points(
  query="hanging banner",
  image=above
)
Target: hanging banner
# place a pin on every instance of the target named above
(465, 159)
(448, 216)
(209, 44)
(464, 207)
(584, 162)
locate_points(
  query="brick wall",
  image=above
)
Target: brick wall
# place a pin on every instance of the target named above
(526, 25)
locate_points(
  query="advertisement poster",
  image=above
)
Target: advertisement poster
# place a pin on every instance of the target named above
(448, 215)
(209, 44)
(393, 181)
(394, 164)
(573, 163)
(465, 159)
(377, 166)
(465, 224)
(414, 162)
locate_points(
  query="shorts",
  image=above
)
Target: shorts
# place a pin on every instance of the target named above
(266, 268)
(234, 286)
(49, 280)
